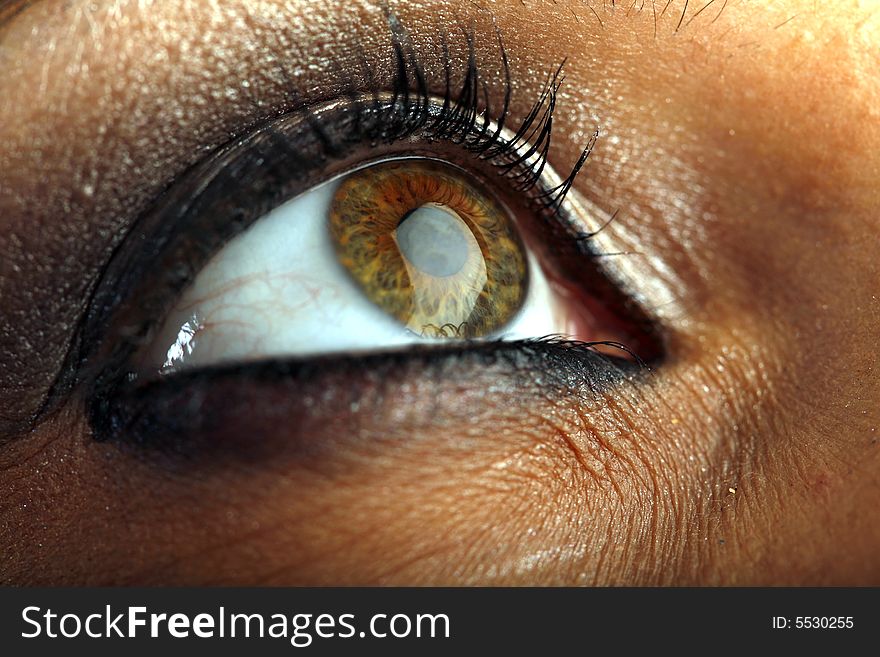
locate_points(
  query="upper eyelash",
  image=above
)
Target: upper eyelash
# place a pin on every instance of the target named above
(465, 119)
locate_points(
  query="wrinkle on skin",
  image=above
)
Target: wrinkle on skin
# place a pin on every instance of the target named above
(740, 149)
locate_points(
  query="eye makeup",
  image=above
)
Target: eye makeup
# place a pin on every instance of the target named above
(281, 157)
(241, 412)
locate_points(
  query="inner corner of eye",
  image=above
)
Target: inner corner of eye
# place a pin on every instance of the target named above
(395, 253)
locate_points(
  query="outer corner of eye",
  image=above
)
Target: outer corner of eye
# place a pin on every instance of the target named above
(408, 251)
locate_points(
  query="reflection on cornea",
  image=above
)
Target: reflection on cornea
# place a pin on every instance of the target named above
(184, 344)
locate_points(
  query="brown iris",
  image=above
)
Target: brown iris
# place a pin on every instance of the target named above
(429, 247)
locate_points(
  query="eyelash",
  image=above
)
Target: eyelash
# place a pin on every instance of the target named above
(408, 113)
(520, 158)
(465, 120)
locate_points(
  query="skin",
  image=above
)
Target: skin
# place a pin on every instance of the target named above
(740, 143)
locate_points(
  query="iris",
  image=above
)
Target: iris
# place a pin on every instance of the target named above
(430, 247)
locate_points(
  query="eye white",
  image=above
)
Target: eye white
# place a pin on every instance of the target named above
(278, 290)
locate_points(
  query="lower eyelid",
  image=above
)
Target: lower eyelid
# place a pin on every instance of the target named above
(236, 408)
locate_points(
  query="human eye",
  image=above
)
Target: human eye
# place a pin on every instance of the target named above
(399, 252)
(174, 408)
(383, 222)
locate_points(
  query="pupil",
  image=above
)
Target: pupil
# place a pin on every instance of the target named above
(434, 239)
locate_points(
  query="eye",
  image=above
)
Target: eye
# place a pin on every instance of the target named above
(363, 225)
(395, 253)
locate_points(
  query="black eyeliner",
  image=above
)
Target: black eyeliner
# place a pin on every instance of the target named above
(180, 415)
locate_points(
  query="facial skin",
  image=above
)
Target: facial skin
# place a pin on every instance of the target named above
(740, 143)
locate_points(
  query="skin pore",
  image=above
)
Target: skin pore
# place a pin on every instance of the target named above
(738, 141)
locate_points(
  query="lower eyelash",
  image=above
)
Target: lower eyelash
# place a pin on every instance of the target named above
(180, 417)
